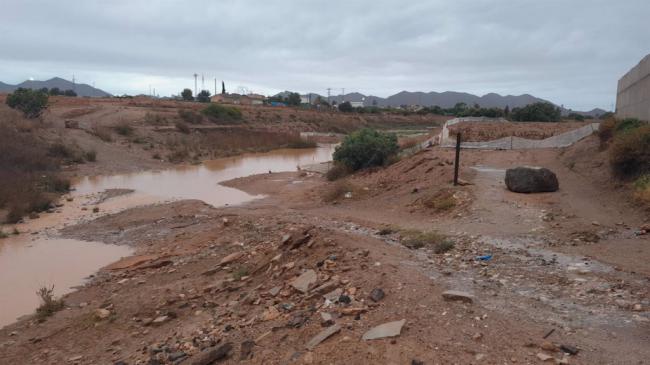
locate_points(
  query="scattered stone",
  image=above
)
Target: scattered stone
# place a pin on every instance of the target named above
(159, 320)
(548, 346)
(326, 319)
(531, 180)
(334, 295)
(231, 258)
(377, 294)
(304, 281)
(212, 355)
(174, 356)
(285, 239)
(390, 329)
(322, 336)
(270, 314)
(75, 358)
(544, 357)
(247, 350)
(275, 290)
(571, 350)
(345, 299)
(102, 313)
(456, 295)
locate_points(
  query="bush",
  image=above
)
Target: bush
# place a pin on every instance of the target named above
(537, 112)
(222, 114)
(630, 152)
(123, 129)
(337, 190)
(338, 171)
(642, 189)
(30, 102)
(346, 107)
(154, 119)
(190, 116)
(441, 201)
(366, 148)
(182, 127)
(186, 94)
(628, 124)
(203, 96)
(576, 116)
(416, 239)
(49, 305)
(606, 130)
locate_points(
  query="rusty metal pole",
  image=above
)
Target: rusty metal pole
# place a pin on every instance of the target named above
(457, 163)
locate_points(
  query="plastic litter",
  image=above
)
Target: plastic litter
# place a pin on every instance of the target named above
(484, 258)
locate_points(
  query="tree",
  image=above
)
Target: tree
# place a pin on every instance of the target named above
(537, 112)
(55, 91)
(203, 96)
(366, 148)
(186, 94)
(69, 93)
(374, 102)
(293, 99)
(30, 102)
(346, 107)
(223, 87)
(506, 111)
(44, 90)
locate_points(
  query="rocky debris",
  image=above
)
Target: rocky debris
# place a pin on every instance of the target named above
(326, 319)
(274, 291)
(270, 314)
(101, 313)
(390, 329)
(304, 281)
(457, 295)
(322, 336)
(211, 355)
(531, 180)
(571, 350)
(544, 357)
(231, 258)
(377, 294)
(247, 350)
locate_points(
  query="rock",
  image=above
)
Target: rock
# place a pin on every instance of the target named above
(304, 281)
(322, 336)
(160, 320)
(548, 346)
(327, 287)
(275, 290)
(326, 319)
(390, 329)
(285, 239)
(334, 295)
(417, 362)
(247, 350)
(75, 358)
(456, 295)
(531, 180)
(211, 355)
(377, 294)
(571, 350)
(231, 258)
(176, 356)
(544, 357)
(345, 299)
(270, 314)
(101, 313)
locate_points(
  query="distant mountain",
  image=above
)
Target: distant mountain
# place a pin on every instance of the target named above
(445, 99)
(80, 89)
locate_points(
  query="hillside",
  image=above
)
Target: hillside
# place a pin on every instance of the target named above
(62, 84)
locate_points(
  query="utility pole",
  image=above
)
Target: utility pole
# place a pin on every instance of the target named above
(74, 85)
(202, 83)
(195, 76)
(343, 95)
(215, 86)
(329, 93)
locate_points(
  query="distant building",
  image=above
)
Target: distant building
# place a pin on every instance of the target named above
(357, 104)
(633, 94)
(250, 99)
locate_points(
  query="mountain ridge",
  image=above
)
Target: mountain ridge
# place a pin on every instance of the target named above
(62, 84)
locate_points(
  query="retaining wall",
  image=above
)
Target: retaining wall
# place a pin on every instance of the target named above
(633, 94)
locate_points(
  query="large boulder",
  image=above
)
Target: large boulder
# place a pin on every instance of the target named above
(531, 180)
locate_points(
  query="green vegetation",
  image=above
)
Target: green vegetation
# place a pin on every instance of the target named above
(630, 152)
(203, 96)
(31, 102)
(49, 305)
(222, 114)
(537, 112)
(366, 148)
(576, 116)
(186, 94)
(642, 189)
(346, 107)
(190, 116)
(292, 99)
(628, 124)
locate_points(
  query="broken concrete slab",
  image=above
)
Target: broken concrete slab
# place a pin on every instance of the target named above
(304, 281)
(390, 329)
(457, 295)
(322, 336)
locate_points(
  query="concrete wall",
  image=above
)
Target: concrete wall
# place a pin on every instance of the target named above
(633, 94)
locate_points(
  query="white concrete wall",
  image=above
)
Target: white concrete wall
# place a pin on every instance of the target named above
(633, 94)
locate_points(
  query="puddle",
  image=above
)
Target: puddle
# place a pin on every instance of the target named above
(28, 261)
(26, 266)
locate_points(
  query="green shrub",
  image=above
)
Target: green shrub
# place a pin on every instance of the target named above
(222, 114)
(190, 116)
(537, 112)
(415, 239)
(123, 129)
(49, 305)
(366, 148)
(30, 102)
(606, 130)
(630, 152)
(627, 125)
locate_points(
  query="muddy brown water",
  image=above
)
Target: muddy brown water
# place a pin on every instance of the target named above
(38, 257)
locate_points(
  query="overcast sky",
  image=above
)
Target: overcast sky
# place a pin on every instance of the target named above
(570, 52)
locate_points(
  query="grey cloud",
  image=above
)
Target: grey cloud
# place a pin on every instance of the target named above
(570, 52)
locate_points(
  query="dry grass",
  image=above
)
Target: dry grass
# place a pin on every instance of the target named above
(102, 133)
(155, 119)
(337, 191)
(441, 201)
(630, 152)
(416, 239)
(338, 171)
(642, 190)
(49, 304)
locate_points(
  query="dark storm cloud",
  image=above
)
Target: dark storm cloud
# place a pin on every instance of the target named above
(570, 52)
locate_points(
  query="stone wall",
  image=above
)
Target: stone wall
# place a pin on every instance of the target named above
(633, 94)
